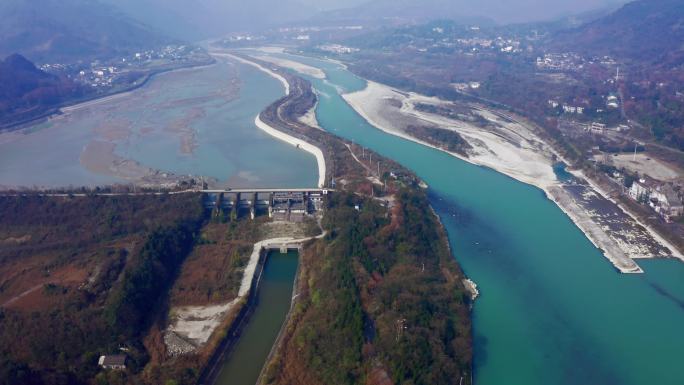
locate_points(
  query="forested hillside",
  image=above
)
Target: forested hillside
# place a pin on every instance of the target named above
(381, 301)
(27, 91)
(84, 276)
(69, 30)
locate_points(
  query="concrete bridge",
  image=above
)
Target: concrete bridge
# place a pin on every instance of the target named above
(280, 204)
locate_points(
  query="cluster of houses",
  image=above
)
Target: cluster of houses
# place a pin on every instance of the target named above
(661, 197)
(567, 61)
(568, 109)
(600, 128)
(337, 48)
(104, 74)
(571, 61)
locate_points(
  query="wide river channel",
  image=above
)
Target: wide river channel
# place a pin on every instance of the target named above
(552, 310)
(198, 121)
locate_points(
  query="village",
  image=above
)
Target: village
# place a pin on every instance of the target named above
(104, 74)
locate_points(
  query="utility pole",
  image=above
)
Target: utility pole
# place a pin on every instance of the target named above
(635, 149)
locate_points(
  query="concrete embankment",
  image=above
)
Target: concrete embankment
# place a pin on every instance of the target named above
(610, 249)
(299, 143)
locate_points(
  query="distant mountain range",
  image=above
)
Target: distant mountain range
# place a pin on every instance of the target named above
(645, 30)
(464, 11)
(28, 92)
(68, 30)
(202, 19)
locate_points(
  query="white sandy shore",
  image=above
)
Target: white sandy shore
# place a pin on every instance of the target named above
(310, 118)
(301, 144)
(528, 163)
(258, 66)
(301, 68)
(512, 150)
(308, 147)
(597, 236)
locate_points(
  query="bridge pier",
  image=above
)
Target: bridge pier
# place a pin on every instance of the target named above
(252, 206)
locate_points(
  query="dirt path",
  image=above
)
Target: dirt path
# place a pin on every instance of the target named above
(20, 296)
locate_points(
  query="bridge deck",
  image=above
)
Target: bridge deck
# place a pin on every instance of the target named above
(268, 190)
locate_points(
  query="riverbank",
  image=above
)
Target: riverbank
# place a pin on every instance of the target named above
(256, 65)
(196, 324)
(299, 143)
(90, 100)
(510, 148)
(535, 269)
(247, 294)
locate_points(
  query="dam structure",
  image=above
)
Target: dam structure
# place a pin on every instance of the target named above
(291, 205)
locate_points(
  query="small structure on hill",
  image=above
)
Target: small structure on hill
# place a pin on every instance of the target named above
(115, 362)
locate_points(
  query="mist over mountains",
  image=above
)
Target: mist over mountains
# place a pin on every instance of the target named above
(202, 19)
(62, 30)
(494, 11)
(199, 19)
(644, 30)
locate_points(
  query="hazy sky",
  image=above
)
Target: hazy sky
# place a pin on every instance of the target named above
(204, 18)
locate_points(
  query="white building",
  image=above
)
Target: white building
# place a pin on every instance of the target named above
(115, 362)
(666, 202)
(640, 190)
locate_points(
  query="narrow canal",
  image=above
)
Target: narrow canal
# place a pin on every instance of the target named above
(552, 310)
(244, 363)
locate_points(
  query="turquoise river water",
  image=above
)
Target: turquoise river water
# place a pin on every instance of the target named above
(553, 310)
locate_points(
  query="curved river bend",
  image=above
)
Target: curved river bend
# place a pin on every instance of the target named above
(552, 310)
(198, 121)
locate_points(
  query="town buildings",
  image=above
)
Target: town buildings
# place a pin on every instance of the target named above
(662, 198)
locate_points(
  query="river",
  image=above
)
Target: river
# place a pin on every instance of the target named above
(198, 121)
(552, 309)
